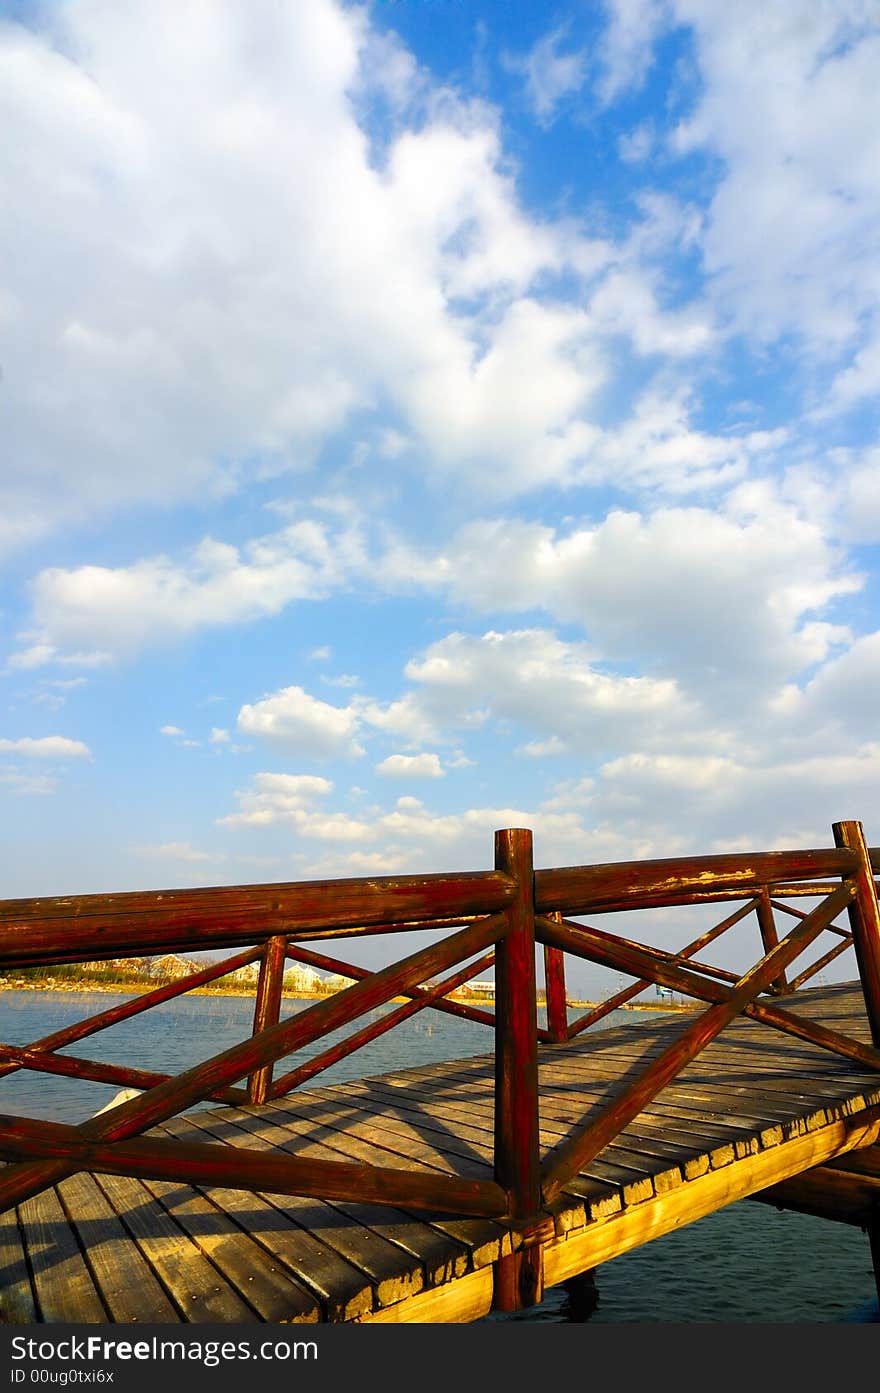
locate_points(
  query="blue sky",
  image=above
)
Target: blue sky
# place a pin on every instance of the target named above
(419, 419)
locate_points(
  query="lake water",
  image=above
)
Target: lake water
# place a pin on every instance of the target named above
(746, 1264)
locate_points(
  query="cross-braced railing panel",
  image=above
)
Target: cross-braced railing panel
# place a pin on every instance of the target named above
(490, 919)
(170, 1096)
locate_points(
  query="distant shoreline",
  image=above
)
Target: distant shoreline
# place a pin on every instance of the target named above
(85, 987)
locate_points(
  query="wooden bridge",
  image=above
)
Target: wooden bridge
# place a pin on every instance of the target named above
(439, 1193)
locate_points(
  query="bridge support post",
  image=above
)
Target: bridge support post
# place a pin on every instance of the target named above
(582, 1294)
(267, 1009)
(864, 920)
(554, 984)
(770, 938)
(518, 1276)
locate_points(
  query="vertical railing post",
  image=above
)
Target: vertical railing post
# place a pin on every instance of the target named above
(864, 920)
(518, 1277)
(267, 1008)
(770, 937)
(554, 986)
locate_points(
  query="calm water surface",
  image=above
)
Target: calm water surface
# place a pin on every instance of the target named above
(747, 1263)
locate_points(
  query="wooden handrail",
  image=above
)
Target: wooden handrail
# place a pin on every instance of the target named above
(580, 889)
(80, 928)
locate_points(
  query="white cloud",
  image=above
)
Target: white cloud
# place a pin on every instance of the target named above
(178, 851)
(219, 736)
(550, 74)
(47, 747)
(723, 803)
(171, 730)
(717, 601)
(626, 48)
(35, 656)
(25, 784)
(423, 766)
(290, 799)
(345, 679)
(789, 102)
(293, 721)
(535, 681)
(840, 491)
(155, 600)
(204, 341)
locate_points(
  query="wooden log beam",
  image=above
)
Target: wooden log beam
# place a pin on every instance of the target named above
(198, 1163)
(828, 1193)
(864, 919)
(555, 995)
(19, 1182)
(516, 1054)
(122, 1075)
(519, 1280)
(80, 927)
(571, 1156)
(769, 935)
(579, 889)
(866, 1161)
(267, 1009)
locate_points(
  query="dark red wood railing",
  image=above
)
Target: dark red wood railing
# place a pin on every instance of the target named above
(496, 918)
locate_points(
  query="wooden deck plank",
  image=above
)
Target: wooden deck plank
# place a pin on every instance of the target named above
(17, 1304)
(654, 1142)
(434, 1250)
(468, 1122)
(199, 1292)
(128, 1287)
(460, 1146)
(486, 1239)
(244, 1264)
(390, 1270)
(64, 1287)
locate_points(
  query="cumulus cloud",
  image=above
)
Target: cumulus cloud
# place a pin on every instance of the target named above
(734, 803)
(423, 766)
(208, 340)
(294, 722)
(538, 683)
(46, 747)
(789, 102)
(714, 600)
(123, 609)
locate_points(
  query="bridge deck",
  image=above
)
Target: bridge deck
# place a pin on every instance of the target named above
(753, 1109)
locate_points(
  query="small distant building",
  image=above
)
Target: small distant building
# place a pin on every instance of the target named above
(245, 976)
(170, 965)
(303, 979)
(486, 989)
(337, 982)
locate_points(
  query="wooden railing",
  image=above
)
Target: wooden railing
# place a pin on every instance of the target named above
(494, 918)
